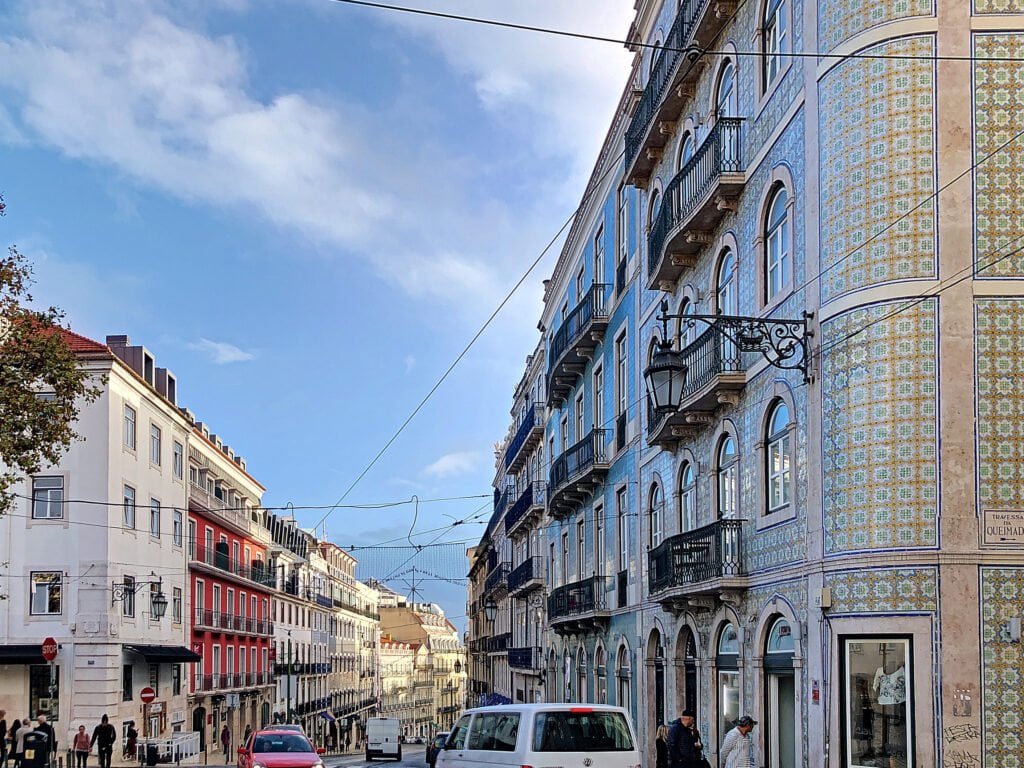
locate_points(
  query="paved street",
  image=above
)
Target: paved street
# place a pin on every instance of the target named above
(412, 756)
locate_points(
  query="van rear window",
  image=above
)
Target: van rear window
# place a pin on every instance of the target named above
(596, 731)
(494, 731)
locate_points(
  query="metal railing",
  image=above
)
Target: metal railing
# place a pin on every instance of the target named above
(529, 569)
(534, 418)
(579, 597)
(498, 643)
(578, 459)
(711, 552)
(173, 750)
(231, 622)
(221, 560)
(497, 578)
(720, 153)
(226, 680)
(534, 495)
(662, 75)
(525, 658)
(591, 307)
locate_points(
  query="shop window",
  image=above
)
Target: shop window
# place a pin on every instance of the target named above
(727, 664)
(876, 699)
(44, 690)
(780, 695)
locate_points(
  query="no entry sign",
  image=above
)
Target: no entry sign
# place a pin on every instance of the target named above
(147, 694)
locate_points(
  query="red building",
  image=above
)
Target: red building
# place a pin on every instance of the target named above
(230, 594)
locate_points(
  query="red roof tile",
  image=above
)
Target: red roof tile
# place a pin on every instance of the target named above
(82, 345)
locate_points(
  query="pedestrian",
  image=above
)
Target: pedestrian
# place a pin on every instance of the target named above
(129, 746)
(3, 739)
(225, 738)
(104, 736)
(81, 745)
(738, 747)
(15, 727)
(247, 734)
(684, 746)
(661, 746)
(51, 743)
(23, 731)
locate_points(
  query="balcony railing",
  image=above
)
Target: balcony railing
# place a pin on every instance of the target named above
(228, 680)
(219, 620)
(574, 341)
(497, 579)
(525, 658)
(256, 571)
(530, 431)
(578, 465)
(498, 643)
(688, 204)
(704, 554)
(580, 599)
(530, 500)
(528, 573)
(714, 367)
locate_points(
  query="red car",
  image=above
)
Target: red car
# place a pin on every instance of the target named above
(279, 749)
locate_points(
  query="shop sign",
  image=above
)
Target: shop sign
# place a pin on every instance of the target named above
(156, 708)
(1003, 527)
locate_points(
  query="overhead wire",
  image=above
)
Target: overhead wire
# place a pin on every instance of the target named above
(694, 50)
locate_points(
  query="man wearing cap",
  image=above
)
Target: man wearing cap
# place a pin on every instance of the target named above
(684, 747)
(738, 747)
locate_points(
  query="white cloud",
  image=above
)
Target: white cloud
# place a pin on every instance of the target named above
(410, 363)
(134, 87)
(221, 352)
(452, 464)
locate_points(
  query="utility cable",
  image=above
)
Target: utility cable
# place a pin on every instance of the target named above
(692, 50)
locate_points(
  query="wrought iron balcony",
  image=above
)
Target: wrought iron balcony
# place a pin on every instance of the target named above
(577, 471)
(498, 643)
(579, 605)
(694, 202)
(702, 561)
(527, 576)
(529, 433)
(529, 506)
(217, 558)
(501, 501)
(528, 658)
(574, 342)
(672, 83)
(497, 579)
(716, 372)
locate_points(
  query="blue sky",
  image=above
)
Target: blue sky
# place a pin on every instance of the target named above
(305, 209)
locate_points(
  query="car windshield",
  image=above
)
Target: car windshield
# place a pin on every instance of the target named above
(281, 742)
(581, 731)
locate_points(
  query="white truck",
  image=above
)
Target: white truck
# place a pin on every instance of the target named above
(383, 738)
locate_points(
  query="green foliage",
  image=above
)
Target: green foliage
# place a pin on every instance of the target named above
(42, 385)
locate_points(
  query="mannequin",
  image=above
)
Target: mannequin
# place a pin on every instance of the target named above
(891, 688)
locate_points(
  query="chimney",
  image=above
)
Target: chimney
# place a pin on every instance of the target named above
(167, 385)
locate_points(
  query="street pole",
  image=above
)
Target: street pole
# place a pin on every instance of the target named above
(288, 703)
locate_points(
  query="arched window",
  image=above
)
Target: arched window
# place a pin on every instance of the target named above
(687, 329)
(655, 517)
(687, 498)
(727, 663)
(780, 694)
(726, 104)
(687, 146)
(775, 37)
(777, 261)
(728, 467)
(778, 471)
(725, 284)
(653, 207)
(655, 53)
(623, 674)
(581, 674)
(600, 677)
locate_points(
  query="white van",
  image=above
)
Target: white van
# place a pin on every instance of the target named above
(383, 738)
(567, 735)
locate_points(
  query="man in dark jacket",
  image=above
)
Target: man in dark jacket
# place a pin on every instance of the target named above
(684, 747)
(44, 727)
(104, 736)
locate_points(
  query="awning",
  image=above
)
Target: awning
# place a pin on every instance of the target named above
(327, 716)
(164, 654)
(22, 654)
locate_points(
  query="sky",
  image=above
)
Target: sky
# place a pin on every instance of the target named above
(305, 210)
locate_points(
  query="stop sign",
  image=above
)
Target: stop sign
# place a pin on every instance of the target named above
(49, 649)
(147, 694)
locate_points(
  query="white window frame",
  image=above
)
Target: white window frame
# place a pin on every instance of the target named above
(177, 605)
(621, 375)
(48, 497)
(179, 460)
(622, 518)
(778, 261)
(130, 508)
(130, 427)
(178, 520)
(656, 509)
(581, 415)
(46, 580)
(156, 444)
(598, 390)
(776, 40)
(154, 518)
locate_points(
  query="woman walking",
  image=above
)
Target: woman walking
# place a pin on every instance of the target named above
(661, 746)
(81, 745)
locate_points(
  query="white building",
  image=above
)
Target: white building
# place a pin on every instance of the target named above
(88, 545)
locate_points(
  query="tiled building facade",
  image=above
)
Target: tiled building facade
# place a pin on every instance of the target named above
(839, 555)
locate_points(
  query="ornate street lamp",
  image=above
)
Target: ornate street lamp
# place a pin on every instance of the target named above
(783, 343)
(490, 609)
(157, 603)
